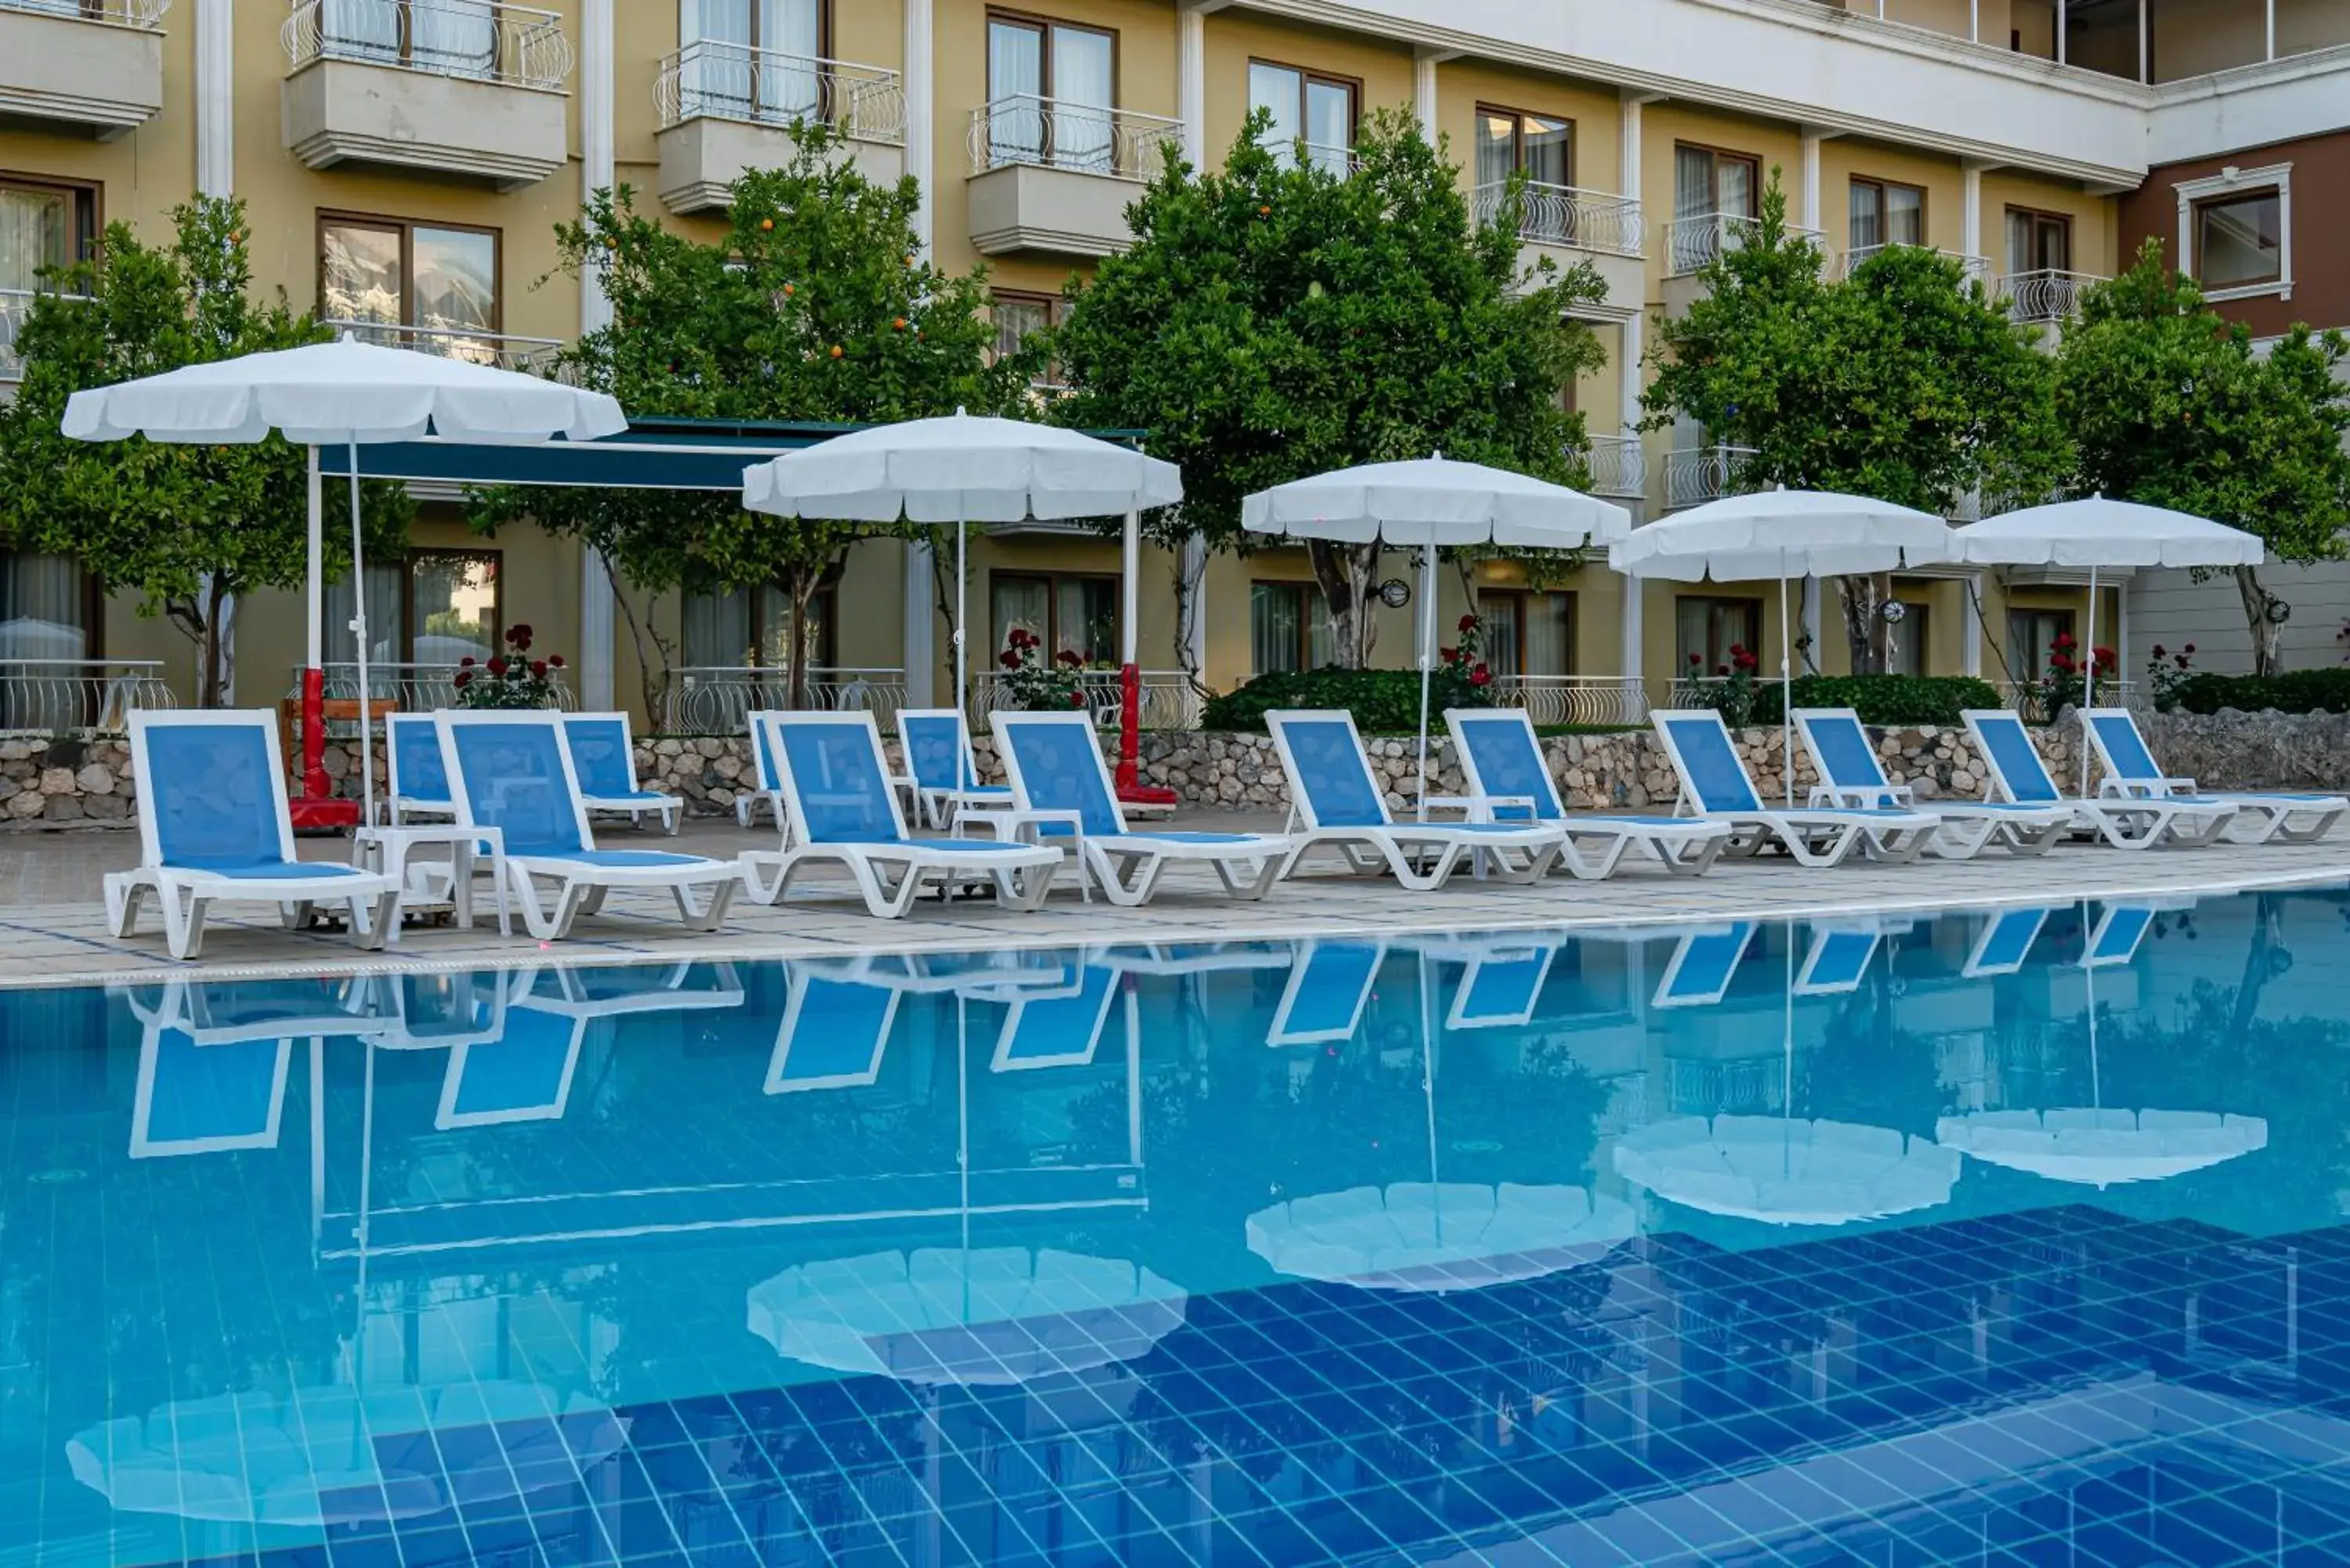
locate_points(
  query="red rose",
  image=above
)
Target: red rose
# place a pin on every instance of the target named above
(467, 662)
(497, 666)
(555, 661)
(2180, 660)
(2189, 649)
(1468, 623)
(1450, 655)
(2158, 652)
(1008, 658)
(538, 667)
(1076, 699)
(1721, 670)
(2064, 640)
(1068, 658)
(522, 631)
(1480, 676)
(464, 677)
(1696, 659)
(1737, 650)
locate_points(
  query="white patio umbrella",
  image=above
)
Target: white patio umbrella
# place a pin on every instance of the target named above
(2096, 533)
(1425, 505)
(963, 469)
(1783, 533)
(344, 393)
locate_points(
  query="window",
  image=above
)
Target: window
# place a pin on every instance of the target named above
(1307, 107)
(1051, 88)
(2038, 242)
(1709, 186)
(1509, 141)
(1907, 640)
(2239, 240)
(1071, 614)
(2031, 636)
(1884, 213)
(1707, 628)
(1016, 317)
(44, 225)
(1289, 628)
(444, 281)
(1527, 633)
(448, 38)
(753, 627)
(433, 608)
(752, 59)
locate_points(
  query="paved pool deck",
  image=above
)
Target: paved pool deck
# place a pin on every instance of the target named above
(53, 925)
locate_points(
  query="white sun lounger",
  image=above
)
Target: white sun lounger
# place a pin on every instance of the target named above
(1852, 776)
(416, 784)
(215, 828)
(2262, 816)
(2017, 774)
(1337, 803)
(1509, 782)
(942, 775)
(1714, 785)
(604, 756)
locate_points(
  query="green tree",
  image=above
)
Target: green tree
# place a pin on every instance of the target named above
(2172, 405)
(816, 305)
(1276, 319)
(1903, 381)
(189, 528)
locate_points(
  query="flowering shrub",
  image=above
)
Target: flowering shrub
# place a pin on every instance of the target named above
(1038, 684)
(2061, 686)
(510, 680)
(2166, 672)
(1730, 690)
(1464, 660)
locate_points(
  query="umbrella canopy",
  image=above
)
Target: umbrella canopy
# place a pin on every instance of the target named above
(988, 1316)
(1788, 1172)
(963, 468)
(2101, 533)
(1782, 534)
(2101, 1148)
(1429, 1236)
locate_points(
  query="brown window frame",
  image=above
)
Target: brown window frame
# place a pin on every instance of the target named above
(1052, 579)
(1041, 23)
(2041, 215)
(409, 630)
(333, 217)
(1305, 588)
(1306, 77)
(1753, 162)
(1885, 210)
(827, 649)
(2251, 192)
(1518, 137)
(89, 207)
(1056, 311)
(1525, 599)
(1711, 669)
(824, 30)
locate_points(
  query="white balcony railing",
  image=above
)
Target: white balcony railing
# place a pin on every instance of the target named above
(709, 79)
(2030, 699)
(1695, 475)
(415, 688)
(141, 14)
(1575, 699)
(1024, 128)
(506, 351)
(65, 696)
(1564, 216)
(718, 699)
(2047, 295)
(1974, 268)
(15, 308)
(480, 40)
(1693, 242)
(1619, 465)
(1169, 700)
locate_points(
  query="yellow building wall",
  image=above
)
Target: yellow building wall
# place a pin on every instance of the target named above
(1235, 37)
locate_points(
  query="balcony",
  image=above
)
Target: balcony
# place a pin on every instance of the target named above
(1696, 475)
(1696, 241)
(1055, 178)
(1575, 699)
(1971, 269)
(77, 696)
(1569, 226)
(94, 66)
(466, 88)
(1619, 465)
(505, 351)
(728, 107)
(15, 308)
(718, 699)
(2046, 297)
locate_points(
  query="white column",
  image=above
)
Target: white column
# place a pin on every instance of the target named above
(1194, 630)
(2061, 39)
(1971, 638)
(1811, 190)
(1628, 142)
(1630, 338)
(215, 97)
(2121, 628)
(1635, 590)
(2145, 45)
(2271, 32)
(921, 88)
(596, 173)
(1628, 183)
(920, 656)
(1423, 89)
(1970, 235)
(1192, 81)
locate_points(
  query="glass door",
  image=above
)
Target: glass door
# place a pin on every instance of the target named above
(1015, 91)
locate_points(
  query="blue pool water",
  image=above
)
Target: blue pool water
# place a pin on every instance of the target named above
(2016, 1236)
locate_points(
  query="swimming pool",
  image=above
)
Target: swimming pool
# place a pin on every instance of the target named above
(2015, 1236)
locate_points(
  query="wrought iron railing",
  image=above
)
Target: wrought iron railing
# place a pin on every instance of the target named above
(64, 696)
(1619, 465)
(483, 40)
(506, 350)
(1692, 241)
(1974, 268)
(1564, 216)
(1574, 699)
(2049, 294)
(1170, 700)
(717, 699)
(1698, 474)
(146, 14)
(711, 79)
(415, 688)
(1027, 129)
(2030, 697)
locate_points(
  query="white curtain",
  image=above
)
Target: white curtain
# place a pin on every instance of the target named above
(1082, 137)
(360, 29)
(36, 232)
(1015, 72)
(44, 607)
(454, 37)
(384, 582)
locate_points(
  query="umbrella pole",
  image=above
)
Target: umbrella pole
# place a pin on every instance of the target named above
(1428, 1090)
(316, 784)
(2088, 679)
(1426, 636)
(1787, 692)
(359, 630)
(962, 579)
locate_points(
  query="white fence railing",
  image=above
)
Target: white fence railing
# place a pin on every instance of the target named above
(1974, 268)
(2047, 295)
(1575, 699)
(1026, 128)
(717, 700)
(1565, 215)
(1619, 465)
(2030, 699)
(506, 350)
(481, 40)
(709, 79)
(1693, 242)
(1698, 474)
(416, 688)
(62, 696)
(15, 306)
(1169, 700)
(145, 13)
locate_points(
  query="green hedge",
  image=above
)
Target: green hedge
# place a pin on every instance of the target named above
(1382, 701)
(2294, 691)
(1895, 701)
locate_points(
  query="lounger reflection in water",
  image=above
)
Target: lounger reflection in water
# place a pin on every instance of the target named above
(525, 1073)
(214, 828)
(1501, 976)
(1509, 782)
(1328, 987)
(845, 812)
(2262, 816)
(833, 1033)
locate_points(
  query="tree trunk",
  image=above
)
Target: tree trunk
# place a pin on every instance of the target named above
(1187, 610)
(1863, 639)
(2266, 632)
(801, 583)
(652, 673)
(1347, 576)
